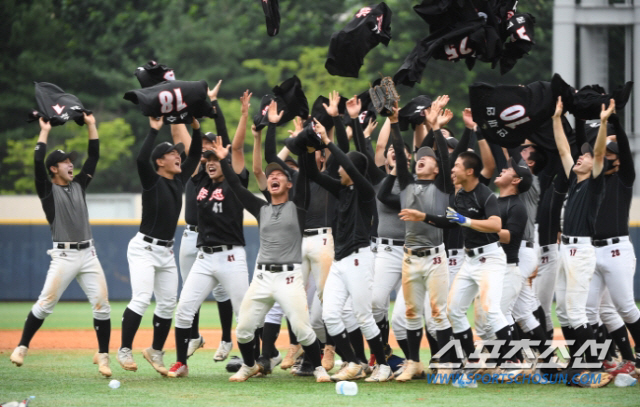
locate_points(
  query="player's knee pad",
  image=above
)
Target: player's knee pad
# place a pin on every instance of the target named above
(40, 311)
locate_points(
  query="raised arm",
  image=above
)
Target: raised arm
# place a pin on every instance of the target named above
(414, 215)
(385, 194)
(195, 152)
(626, 170)
(146, 171)
(561, 139)
(404, 176)
(600, 147)
(93, 152)
(180, 134)
(381, 144)
(331, 184)
(221, 124)
(419, 134)
(353, 108)
(237, 147)
(444, 178)
(43, 184)
(257, 159)
(488, 161)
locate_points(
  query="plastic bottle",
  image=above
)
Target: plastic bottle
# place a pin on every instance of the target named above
(347, 388)
(624, 380)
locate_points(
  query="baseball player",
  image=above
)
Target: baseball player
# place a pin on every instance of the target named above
(277, 276)
(222, 259)
(483, 268)
(188, 249)
(577, 255)
(351, 273)
(424, 267)
(615, 258)
(152, 265)
(73, 254)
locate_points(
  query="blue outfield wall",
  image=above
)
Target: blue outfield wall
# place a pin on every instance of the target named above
(25, 262)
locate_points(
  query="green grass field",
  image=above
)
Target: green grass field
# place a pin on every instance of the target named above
(68, 378)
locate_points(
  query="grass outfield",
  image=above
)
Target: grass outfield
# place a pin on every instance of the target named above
(67, 378)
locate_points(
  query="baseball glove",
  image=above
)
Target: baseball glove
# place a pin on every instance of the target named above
(384, 96)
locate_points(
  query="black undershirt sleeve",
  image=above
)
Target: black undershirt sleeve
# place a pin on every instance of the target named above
(360, 182)
(302, 196)
(443, 179)
(331, 184)
(386, 196)
(429, 139)
(43, 184)
(463, 145)
(90, 164)
(626, 171)
(342, 140)
(439, 221)
(146, 171)
(193, 158)
(375, 174)
(221, 124)
(249, 201)
(404, 177)
(270, 154)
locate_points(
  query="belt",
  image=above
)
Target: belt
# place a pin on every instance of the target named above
(275, 268)
(192, 228)
(527, 244)
(545, 249)
(479, 250)
(374, 239)
(165, 243)
(74, 246)
(422, 252)
(607, 242)
(575, 240)
(391, 242)
(314, 232)
(215, 249)
(453, 252)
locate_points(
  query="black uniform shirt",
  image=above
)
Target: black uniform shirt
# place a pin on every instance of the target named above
(514, 218)
(190, 205)
(480, 203)
(220, 213)
(322, 208)
(583, 201)
(162, 197)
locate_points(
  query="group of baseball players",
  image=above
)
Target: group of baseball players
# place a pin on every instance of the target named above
(341, 230)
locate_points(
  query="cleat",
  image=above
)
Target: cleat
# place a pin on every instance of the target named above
(155, 358)
(276, 360)
(372, 360)
(178, 370)
(125, 358)
(102, 360)
(244, 373)
(265, 365)
(412, 369)
(329, 358)
(194, 345)
(234, 364)
(443, 376)
(381, 373)
(18, 355)
(609, 366)
(321, 375)
(625, 367)
(223, 351)
(350, 371)
(305, 369)
(292, 354)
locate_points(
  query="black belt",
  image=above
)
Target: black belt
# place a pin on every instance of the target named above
(545, 249)
(374, 239)
(569, 240)
(165, 243)
(454, 252)
(314, 232)
(422, 252)
(391, 242)
(475, 252)
(605, 242)
(528, 244)
(75, 246)
(276, 268)
(192, 228)
(515, 263)
(215, 249)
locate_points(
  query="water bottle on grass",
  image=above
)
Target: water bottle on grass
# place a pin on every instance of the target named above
(347, 388)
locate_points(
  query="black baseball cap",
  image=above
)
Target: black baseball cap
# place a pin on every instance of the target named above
(164, 148)
(210, 153)
(452, 142)
(271, 167)
(290, 159)
(57, 156)
(210, 136)
(425, 152)
(586, 148)
(522, 171)
(612, 146)
(413, 112)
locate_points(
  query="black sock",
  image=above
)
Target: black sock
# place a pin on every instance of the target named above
(634, 330)
(329, 338)
(550, 334)
(434, 346)
(519, 332)
(195, 326)
(516, 336)
(444, 337)
(256, 343)
(225, 310)
(466, 341)
(504, 334)
(31, 326)
(247, 351)
(568, 334)
(312, 354)
(377, 348)
(103, 332)
(161, 328)
(541, 316)
(621, 339)
(383, 326)
(599, 335)
(270, 334)
(182, 343)
(130, 325)
(343, 347)
(292, 337)
(584, 333)
(414, 337)
(404, 345)
(357, 341)
(611, 352)
(538, 334)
